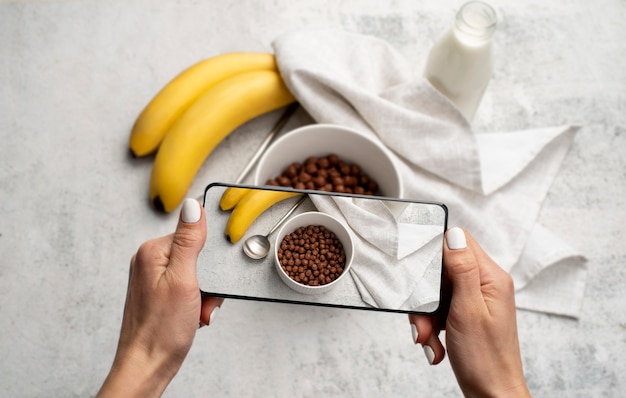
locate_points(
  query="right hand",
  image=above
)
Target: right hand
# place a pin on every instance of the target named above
(480, 323)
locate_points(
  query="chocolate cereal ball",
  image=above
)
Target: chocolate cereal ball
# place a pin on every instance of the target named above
(312, 255)
(327, 173)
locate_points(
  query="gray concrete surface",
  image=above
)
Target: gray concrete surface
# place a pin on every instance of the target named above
(75, 74)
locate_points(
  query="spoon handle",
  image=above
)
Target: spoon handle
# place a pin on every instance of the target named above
(270, 136)
(282, 220)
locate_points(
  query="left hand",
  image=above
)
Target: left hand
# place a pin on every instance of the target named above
(163, 309)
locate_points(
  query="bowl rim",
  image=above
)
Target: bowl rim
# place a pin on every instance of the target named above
(386, 152)
(349, 260)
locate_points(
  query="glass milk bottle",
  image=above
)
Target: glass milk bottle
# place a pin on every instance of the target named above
(461, 62)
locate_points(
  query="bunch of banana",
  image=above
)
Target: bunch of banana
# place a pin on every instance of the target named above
(251, 204)
(194, 112)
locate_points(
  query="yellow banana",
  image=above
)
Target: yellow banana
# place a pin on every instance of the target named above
(205, 124)
(232, 196)
(249, 208)
(170, 103)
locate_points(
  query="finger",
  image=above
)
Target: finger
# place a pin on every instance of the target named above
(461, 266)
(496, 284)
(425, 333)
(188, 239)
(131, 267)
(434, 350)
(421, 327)
(209, 308)
(485, 262)
(154, 253)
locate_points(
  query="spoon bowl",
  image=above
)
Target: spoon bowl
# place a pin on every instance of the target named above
(258, 246)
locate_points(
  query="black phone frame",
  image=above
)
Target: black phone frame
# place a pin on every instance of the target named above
(316, 192)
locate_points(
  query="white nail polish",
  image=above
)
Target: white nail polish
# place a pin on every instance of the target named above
(213, 314)
(456, 238)
(414, 332)
(190, 213)
(430, 354)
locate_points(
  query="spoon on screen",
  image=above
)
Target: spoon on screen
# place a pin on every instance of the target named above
(258, 246)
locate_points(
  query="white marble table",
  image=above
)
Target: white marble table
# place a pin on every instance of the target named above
(74, 204)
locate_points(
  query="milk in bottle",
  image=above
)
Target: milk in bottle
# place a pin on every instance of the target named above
(461, 62)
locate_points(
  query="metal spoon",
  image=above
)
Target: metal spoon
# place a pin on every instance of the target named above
(284, 118)
(258, 246)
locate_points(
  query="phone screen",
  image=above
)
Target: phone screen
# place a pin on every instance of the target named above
(329, 249)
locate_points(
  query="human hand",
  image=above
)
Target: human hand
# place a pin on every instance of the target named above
(163, 309)
(480, 323)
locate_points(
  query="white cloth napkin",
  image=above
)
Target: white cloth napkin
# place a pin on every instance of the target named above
(397, 258)
(493, 183)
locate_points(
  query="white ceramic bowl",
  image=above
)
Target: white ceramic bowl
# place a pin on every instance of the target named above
(332, 224)
(323, 139)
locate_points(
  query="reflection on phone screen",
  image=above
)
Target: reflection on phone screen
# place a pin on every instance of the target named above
(392, 250)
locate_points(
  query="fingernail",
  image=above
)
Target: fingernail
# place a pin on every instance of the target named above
(213, 314)
(430, 354)
(190, 212)
(456, 238)
(414, 332)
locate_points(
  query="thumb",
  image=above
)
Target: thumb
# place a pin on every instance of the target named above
(188, 239)
(461, 266)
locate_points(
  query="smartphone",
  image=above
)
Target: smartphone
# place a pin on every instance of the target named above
(374, 253)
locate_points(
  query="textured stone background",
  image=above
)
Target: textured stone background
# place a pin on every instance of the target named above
(74, 75)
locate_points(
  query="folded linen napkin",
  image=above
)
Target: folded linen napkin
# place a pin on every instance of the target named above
(493, 183)
(397, 258)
